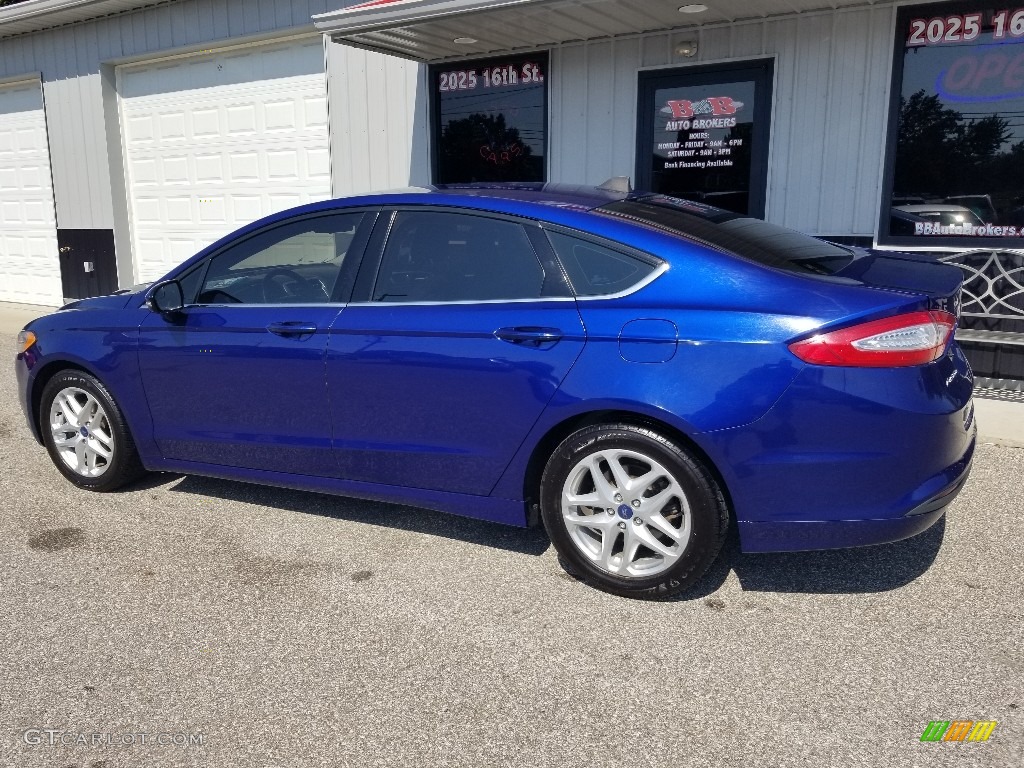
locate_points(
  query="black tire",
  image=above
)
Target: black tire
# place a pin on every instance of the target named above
(699, 531)
(106, 473)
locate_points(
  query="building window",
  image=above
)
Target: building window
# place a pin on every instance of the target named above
(490, 119)
(703, 134)
(956, 149)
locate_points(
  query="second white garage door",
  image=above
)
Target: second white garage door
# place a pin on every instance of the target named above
(220, 139)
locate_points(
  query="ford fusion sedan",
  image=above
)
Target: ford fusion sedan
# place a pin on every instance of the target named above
(633, 371)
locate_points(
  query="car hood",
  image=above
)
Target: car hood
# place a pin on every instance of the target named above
(117, 300)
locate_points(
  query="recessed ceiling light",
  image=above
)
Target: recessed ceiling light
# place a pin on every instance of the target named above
(693, 8)
(464, 40)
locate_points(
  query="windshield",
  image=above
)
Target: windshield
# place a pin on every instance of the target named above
(752, 239)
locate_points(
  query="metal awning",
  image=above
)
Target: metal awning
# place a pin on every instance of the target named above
(433, 30)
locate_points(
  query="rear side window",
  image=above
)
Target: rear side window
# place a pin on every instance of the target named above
(752, 239)
(435, 256)
(595, 270)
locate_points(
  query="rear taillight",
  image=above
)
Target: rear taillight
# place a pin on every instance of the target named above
(914, 338)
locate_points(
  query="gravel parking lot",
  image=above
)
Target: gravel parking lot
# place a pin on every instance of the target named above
(285, 629)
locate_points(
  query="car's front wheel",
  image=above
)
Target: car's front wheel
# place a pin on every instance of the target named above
(86, 434)
(631, 512)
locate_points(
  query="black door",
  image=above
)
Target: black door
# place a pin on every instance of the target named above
(703, 134)
(88, 266)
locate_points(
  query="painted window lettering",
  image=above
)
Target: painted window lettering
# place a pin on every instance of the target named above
(963, 29)
(948, 29)
(685, 114)
(962, 230)
(715, 105)
(1004, 23)
(457, 81)
(507, 74)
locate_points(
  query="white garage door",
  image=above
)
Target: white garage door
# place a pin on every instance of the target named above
(220, 139)
(29, 264)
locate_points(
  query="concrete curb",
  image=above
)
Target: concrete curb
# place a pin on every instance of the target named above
(1000, 422)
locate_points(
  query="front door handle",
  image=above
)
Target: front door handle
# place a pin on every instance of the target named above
(529, 335)
(292, 329)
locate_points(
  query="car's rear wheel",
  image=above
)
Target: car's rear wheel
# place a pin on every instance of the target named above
(85, 433)
(631, 512)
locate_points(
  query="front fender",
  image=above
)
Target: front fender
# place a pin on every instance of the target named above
(100, 343)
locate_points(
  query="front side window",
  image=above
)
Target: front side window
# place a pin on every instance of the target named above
(452, 257)
(294, 263)
(190, 282)
(956, 158)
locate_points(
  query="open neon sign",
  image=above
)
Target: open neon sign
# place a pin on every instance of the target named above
(989, 73)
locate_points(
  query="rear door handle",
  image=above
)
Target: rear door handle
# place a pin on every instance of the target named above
(530, 335)
(292, 329)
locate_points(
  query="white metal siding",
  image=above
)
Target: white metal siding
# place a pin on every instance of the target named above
(378, 121)
(830, 107)
(69, 58)
(217, 140)
(78, 72)
(29, 263)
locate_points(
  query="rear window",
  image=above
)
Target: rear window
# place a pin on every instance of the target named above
(595, 270)
(752, 239)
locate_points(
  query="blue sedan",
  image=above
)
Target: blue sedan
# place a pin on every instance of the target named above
(636, 372)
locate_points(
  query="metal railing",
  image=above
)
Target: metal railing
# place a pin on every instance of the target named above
(993, 292)
(992, 311)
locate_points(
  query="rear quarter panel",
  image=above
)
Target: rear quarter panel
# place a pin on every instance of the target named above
(733, 321)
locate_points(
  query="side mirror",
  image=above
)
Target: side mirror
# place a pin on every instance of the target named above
(167, 297)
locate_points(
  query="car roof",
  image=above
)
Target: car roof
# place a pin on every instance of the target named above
(577, 196)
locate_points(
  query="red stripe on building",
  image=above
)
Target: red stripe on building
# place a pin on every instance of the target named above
(371, 4)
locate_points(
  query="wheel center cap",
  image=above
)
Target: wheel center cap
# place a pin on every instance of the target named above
(84, 431)
(625, 512)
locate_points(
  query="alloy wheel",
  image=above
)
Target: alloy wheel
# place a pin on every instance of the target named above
(626, 513)
(81, 431)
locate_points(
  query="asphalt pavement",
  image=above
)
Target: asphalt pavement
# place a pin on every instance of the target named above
(266, 628)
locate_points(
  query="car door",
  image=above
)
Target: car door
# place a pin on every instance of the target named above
(449, 351)
(237, 377)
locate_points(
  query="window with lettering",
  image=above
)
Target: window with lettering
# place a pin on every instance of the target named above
(955, 174)
(703, 133)
(490, 119)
